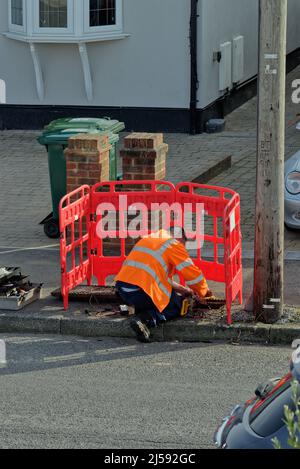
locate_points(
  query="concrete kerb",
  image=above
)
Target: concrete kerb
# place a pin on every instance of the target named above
(185, 330)
(93, 327)
(284, 334)
(202, 331)
(35, 324)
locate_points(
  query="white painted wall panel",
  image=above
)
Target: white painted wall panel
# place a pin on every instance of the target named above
(151, 68)
(148, 69)
(221, 21)
(238, 59)
(293, 33)
(225, 66)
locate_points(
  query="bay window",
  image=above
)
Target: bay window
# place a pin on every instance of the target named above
(76, 22)
(65, 20)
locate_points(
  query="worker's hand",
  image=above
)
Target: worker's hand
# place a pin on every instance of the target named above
(182, 290)
(188, 292)
(201, 299)
(185, 291)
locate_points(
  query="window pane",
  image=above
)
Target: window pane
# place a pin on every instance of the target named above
(17, 12)
(53, 13)
(102, 12)
(271, 419)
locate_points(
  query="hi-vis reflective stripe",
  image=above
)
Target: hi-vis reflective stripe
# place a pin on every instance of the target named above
(157, 254)
(146, 268)
(197, 280)
(184, 264)
(166, 245)
(153, 254)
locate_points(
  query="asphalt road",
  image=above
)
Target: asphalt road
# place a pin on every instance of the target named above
(66, 392)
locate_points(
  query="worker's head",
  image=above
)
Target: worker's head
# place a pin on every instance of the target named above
(179, 234)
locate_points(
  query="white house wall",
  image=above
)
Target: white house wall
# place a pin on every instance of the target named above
(293, 32)
(148, 69)
(220, 21)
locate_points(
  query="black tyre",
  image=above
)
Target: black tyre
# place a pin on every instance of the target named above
(289, 228)
(51, 229)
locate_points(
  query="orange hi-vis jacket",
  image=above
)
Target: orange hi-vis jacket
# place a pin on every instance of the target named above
(152, 264)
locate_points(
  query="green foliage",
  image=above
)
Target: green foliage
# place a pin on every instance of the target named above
(292, 421)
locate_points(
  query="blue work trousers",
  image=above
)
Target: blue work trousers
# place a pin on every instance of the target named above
(145, 309)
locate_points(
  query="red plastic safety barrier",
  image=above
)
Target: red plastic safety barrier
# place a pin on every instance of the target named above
(75, 240)
(218, 253)
(146, 193)
(220, 256)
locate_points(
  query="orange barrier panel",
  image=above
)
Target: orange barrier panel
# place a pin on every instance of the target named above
(218, 251)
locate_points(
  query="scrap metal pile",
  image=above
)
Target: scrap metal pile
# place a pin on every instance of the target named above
(16, 290)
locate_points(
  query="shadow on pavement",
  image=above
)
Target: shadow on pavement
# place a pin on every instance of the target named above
(27, 353)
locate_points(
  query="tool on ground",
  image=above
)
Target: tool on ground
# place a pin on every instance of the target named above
(124, 310)
(187, 306)
(16, 290)
(191, 307)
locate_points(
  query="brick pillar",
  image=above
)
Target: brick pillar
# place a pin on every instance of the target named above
(87, 160)
(144, 157)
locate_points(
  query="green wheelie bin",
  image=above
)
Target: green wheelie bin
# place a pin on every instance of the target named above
(56, 141)
(104, 124)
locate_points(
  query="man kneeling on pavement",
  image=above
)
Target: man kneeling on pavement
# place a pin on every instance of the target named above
(146, 280)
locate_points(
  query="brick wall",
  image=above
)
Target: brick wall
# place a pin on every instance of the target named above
(87, 160)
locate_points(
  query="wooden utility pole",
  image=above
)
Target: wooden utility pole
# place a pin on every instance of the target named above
(269, 236)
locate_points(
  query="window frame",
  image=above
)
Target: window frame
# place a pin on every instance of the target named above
(15, 27)
(78, 29)
(115, 28)
(39, 31)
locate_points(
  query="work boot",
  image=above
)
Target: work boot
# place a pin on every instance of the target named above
(141, 330)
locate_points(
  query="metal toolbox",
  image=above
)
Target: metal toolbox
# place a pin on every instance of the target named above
(17, 302)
